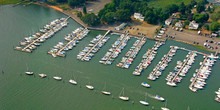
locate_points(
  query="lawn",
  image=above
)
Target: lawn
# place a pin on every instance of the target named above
(164, 3)
(4, 2)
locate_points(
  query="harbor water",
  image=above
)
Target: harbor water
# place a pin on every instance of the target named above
(23, 92)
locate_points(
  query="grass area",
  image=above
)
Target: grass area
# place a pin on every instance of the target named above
(164, 3)
(5, 2)
(203, 48)
(64, 6)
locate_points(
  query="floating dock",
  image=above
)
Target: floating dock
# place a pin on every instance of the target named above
(93, 47)
(115, 50)
(76, 35)
(157, 71)
(31, 42)
(181, 69)
(148, 57)
(131, 54)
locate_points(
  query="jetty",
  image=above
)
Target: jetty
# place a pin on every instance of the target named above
(30, 42)
(162, 64)
(116, 49)
(94, 46)
(131, 54)
(198, 79)
(72, 39)
(181, 69)
(147, 58)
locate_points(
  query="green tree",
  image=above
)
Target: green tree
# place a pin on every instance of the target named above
(215, 16)
(214, 26)
(73, 3)
(84, 10)
(182, 8)
(90, 19)
(109, 17)
(206, 26)
(200, 7)
(123, 15)
(200, 18)
(192, 3)
(150, 17)
(61, 1)
(79, 14)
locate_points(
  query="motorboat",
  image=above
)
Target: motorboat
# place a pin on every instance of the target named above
(89, 87)
(145, 84)
(157, 97)
(72, 82)
(57, 78)
(42, 75)
(105, 92)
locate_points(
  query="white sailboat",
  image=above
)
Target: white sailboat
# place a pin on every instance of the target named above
(72, 81)
(165, 108)
(144, 102)
(104, 91)
(157, 97)
(89, 86)
(122, 97)
(28, 72)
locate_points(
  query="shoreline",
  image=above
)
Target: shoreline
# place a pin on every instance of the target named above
(106, 28)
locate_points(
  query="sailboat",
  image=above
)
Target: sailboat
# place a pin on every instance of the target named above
(165, 108)
(105, 92)
(57, 78)
(89, 86)
(122, 97)
(72, 81)
(144, 102)
(28, 72)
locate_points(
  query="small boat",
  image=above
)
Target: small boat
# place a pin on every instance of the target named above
(89, 87)
(122, 97)
(29, 73)
(42, 75)
(165, 108)
(104, 91)
(157, 97)
(73, 81)
(144, 102)
(145, 84)
(57, 78)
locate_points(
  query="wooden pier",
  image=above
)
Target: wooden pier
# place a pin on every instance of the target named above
(24, 49)
(182, 67)
(162, 61)
(115, 49)
(83, 58)
(198, 72)
(57, 53)
(132, 52)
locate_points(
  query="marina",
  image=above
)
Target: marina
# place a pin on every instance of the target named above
(88, 52)
(49, 93)
(31, 42)
(157, 71)
(73, 39)
(147, 58)
(132, 53)
(181, 69)
(115, 50)
(199, 78)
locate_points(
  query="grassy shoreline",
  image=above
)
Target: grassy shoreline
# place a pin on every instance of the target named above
(6, 2)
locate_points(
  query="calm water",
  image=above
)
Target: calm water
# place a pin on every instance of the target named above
(22, 92)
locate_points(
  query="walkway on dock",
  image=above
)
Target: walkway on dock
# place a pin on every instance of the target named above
(39, 37)
(115, 49)
(83, 58)
(69, 43)
(158, 67)
(133, 51)
(182, 67)
(194, 80)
